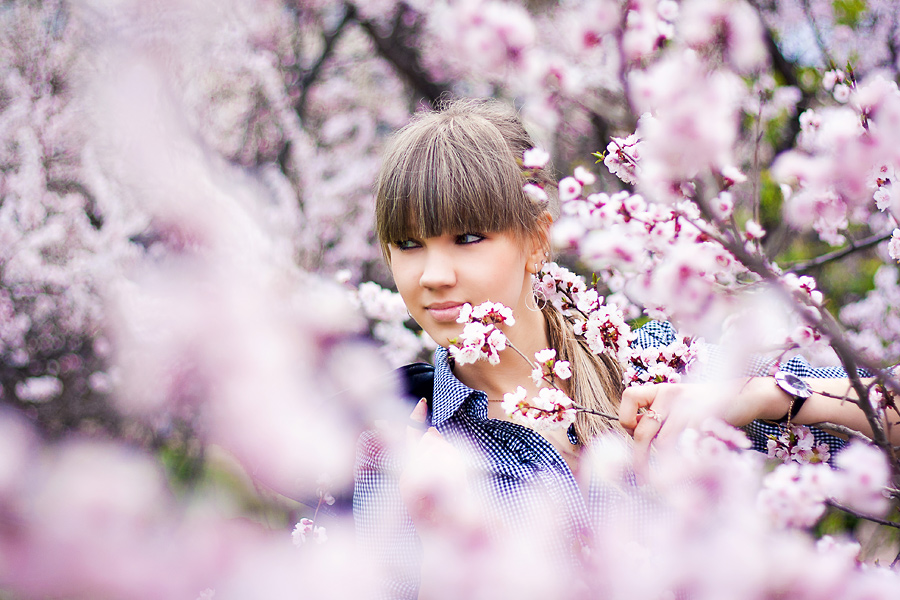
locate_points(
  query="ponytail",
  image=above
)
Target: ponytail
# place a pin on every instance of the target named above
(596, 381)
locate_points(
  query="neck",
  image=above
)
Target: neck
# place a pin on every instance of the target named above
(529, 335)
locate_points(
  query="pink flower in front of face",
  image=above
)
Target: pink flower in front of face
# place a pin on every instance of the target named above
(569, 189)
(465, 313)
(465, 355)
(496, 342)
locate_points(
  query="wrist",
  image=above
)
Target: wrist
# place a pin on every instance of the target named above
(797, 390)
(772, 402)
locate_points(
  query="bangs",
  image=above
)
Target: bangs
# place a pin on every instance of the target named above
(455, 176)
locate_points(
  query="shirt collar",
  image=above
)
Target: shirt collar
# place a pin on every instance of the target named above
(449, 392)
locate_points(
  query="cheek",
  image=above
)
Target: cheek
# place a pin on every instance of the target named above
(405, 277)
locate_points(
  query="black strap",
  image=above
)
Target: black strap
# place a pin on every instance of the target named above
(418, 382)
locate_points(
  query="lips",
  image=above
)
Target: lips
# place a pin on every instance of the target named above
(444, 312)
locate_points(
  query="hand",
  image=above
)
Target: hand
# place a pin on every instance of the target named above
(658, 413)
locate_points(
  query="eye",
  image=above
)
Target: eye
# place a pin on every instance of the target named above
(469, 238)
(406, 244)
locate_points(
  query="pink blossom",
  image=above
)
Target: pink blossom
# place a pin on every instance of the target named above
(562, 369)
(883, 197)
(841, 93)
(753, 230)
(794, 495)
(723, 205)
(546, 355)
(535, 192)
(832, 77)
(862, 477)
(535, 158)
(569, 189)
(894, 245)
(583, 176)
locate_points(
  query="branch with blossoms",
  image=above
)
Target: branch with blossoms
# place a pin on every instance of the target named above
(601, 326)
(684, 256)
(481, 339)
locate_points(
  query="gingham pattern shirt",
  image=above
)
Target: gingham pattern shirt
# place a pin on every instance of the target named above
(515, 469)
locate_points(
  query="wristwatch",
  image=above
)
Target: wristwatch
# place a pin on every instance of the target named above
(796, 388)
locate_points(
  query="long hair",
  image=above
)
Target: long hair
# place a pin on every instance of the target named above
(460, 169)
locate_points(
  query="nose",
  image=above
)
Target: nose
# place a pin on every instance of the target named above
(439, 269)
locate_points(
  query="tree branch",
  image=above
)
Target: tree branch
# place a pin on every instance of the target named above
(312, 73)
(852, 512)
(822, 320)
(840, 429)
(399, 48)
(854, 246)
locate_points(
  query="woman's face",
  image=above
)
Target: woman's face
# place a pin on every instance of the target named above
(436, 276)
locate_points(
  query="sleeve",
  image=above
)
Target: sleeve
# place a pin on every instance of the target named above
(656, 334)
(384, 530)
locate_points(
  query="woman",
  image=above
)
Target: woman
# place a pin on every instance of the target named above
(456, 227)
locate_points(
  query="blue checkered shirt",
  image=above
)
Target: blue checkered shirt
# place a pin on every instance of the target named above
(516, 469)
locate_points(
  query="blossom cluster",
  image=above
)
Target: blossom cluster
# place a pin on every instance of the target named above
(307, 528)
(794, 494)
(796, 443)
(548, 368)
(550, 408)
(480, 338)
(601, 322)
(664, 364)
(845, 160)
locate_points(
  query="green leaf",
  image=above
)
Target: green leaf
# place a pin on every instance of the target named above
(849, 12)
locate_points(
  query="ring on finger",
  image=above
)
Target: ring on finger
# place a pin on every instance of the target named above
(652, 414)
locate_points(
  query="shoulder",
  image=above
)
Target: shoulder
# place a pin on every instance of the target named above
(655, 333)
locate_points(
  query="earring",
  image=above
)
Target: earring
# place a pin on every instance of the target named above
(538, 298)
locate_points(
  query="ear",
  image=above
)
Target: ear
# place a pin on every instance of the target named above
(539, 245)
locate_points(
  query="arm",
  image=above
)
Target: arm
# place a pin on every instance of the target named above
(822, 406)
(678, 406)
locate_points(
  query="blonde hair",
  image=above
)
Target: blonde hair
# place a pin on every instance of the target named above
(460, 170)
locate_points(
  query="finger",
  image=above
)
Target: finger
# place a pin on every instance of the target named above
(633, 399)
(646, 430)
(417, 426)
(420, 412)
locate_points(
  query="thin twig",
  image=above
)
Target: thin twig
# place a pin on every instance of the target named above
(863, 244)
(858, 515)
(840, 429)
(595, 412)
